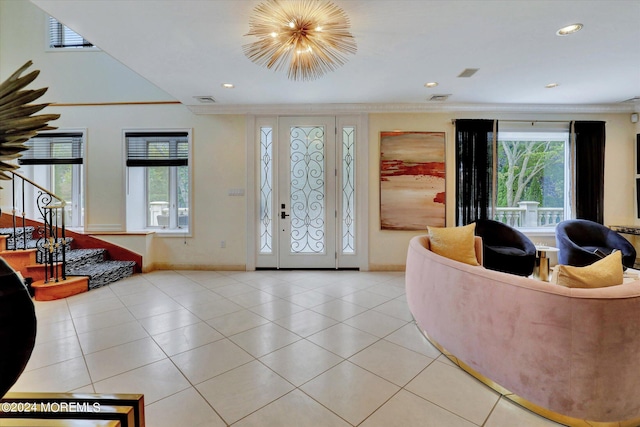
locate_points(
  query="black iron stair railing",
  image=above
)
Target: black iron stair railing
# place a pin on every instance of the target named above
(51, 243)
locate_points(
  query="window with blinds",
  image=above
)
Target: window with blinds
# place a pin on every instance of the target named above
(158, 179)
(157, 149)
(62, 37)
(55, 148)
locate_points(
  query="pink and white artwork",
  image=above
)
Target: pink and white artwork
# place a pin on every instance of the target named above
(412, 180)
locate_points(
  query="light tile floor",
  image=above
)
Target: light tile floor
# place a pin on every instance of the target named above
(264, 348)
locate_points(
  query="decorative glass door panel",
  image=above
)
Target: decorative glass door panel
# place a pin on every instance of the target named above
(307, 188)
(307, 192)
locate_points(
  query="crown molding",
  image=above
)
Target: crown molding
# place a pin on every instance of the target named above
(434, 107)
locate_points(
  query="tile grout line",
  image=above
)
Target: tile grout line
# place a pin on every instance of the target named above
(248, 308)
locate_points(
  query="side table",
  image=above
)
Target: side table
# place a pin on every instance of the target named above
(541, 269)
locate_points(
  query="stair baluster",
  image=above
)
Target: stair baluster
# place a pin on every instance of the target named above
(54, 272)
(52, 242)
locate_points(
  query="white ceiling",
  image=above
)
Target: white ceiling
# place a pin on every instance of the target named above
(189, 48)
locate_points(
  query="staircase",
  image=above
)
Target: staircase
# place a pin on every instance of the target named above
(24, 252)
(42, 250)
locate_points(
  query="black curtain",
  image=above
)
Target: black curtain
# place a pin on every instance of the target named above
(474, 165)
(589, 170)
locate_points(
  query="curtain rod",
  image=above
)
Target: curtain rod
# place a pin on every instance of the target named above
(536, 121)
(523, 121)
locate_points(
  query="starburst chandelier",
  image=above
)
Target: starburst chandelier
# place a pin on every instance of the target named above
(309, 37)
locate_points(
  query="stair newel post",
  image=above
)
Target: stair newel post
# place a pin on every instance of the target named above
(64, 245)
(13, 210)
(56, 240)
(24, 218)
(52, 245)
(48, 255)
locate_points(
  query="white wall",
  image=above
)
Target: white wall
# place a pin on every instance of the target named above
(94, 77)
(71, 76)
(387, 249)
(219, 160)
(218, 165)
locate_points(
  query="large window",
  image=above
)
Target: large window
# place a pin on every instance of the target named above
(158, 180)
(532, 179)
(63, 37)
(54, 160)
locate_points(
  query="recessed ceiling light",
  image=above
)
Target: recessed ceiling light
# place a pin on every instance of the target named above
(569, 29)
(552, 85)
(227, 85)
(431, 84)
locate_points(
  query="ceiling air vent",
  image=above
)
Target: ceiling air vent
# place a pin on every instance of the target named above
(439, 97)
(205, 99)
(468, 72)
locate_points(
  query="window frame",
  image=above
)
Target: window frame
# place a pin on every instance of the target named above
(36, 157)
(266, 255)
(133, 222)
(42, 153)
(541, 135)
(50, 47)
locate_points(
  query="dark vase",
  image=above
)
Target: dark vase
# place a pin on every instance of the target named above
(17, 327)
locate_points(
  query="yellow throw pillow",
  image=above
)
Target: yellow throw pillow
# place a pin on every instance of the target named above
(456, 243)
(602, 273)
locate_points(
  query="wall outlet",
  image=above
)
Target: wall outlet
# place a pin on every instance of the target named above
(223, 244)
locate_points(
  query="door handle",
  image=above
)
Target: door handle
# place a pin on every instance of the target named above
(283, 215)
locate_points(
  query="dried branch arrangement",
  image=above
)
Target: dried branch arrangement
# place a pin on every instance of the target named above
(17, 120)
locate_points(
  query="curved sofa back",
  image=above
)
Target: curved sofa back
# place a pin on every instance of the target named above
(572, 351)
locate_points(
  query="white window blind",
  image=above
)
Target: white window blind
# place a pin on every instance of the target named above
(157, 149)
(55, 148)
(62, 37)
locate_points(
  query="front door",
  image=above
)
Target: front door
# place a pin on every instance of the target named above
(306, 214)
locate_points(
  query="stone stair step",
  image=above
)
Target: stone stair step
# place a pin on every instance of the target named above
(19, 231)
(20, 234)
(29, 243)
(77, 258)
(105, 272)
(58, 251)
(33, 243)
(80, 262)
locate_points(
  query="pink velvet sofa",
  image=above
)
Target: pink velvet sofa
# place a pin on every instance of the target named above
(569, 354)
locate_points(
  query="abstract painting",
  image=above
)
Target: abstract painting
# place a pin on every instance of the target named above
(412, 180)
